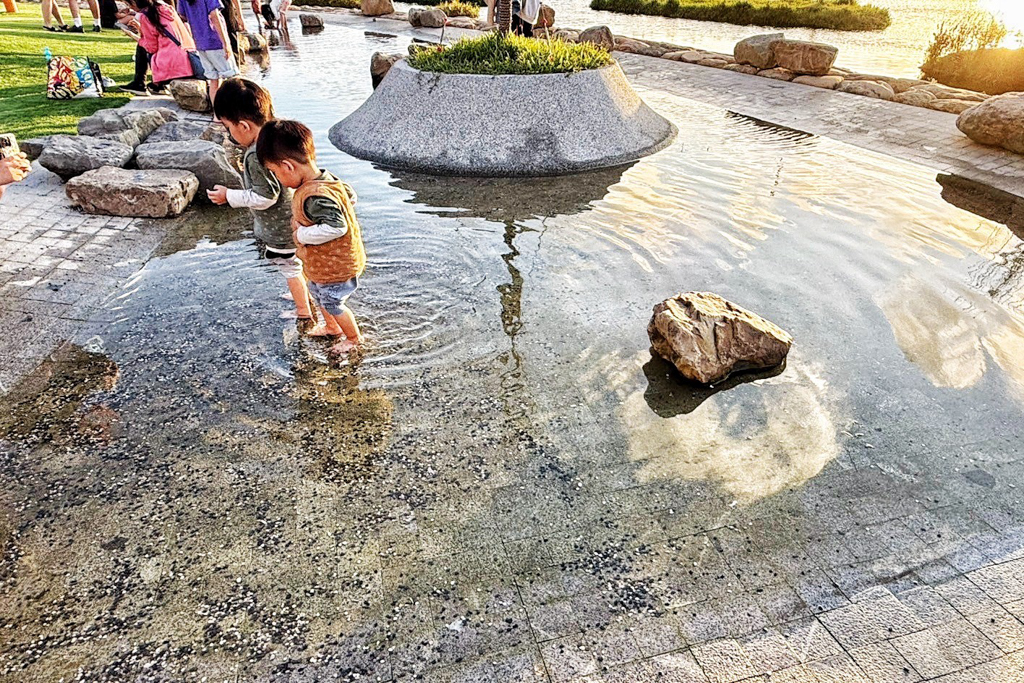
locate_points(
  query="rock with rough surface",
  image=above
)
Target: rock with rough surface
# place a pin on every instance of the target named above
(758, 51)
(713, 63)
(687, 56)
(915, 98)
(567, 35)
(142, 122)
(130, 192)
(741, 68)
(311, 21)
(708, 338)
(377, 8)
(207, 160)
(178, 131)
(879, 91)
(638, 47)
(900, 85)
(546, 18)
(34, 147)
(190, 94)
(778, 73)
(380, 64)
(826, 82)
(951, 106)
(598, 35)
(805, 57)
(427, 17)
(125, 137)
(997, 121)
(72, 155)
(253, 42)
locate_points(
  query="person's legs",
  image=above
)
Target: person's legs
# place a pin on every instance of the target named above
(329, 327)
(94, 9)
(138, 83)
(76, 15)
(213, 84)
(353, 338)
(291, 269)
(51, 12)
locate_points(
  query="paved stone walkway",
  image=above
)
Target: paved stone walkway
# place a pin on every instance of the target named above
(849, 610)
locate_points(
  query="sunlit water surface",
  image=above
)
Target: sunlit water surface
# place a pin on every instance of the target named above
(199, 483)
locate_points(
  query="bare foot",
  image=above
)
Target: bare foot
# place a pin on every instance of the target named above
(342, 347)
(323, 331)
(287, 296)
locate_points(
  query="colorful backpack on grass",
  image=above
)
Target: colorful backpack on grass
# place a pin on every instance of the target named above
(72, 77)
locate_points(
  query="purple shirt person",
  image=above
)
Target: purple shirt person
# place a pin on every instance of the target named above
(212, 44)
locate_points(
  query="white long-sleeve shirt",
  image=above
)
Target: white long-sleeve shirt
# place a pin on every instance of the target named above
(248, 199)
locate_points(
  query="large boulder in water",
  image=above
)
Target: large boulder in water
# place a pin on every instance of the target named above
(376, 8)
(998, 121)
(380, 64)
(71, 155)
(994, 71)
(708, 338)
(758, 51)
(805, 57)
(598, 35)
(126, 192)
(427, 17)
(207, 160)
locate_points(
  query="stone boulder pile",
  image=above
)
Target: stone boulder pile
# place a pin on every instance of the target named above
(999, 121)
(774, 56)
(708, 338)
(140, 162)
(207, 160)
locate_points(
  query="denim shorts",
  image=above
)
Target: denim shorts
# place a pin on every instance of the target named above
(216, 65)
(332, 298)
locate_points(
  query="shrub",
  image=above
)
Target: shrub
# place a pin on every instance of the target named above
(993, 70)
(495, 55)
(840, 15)
(975, 31)
(458, 8)
(349, 4)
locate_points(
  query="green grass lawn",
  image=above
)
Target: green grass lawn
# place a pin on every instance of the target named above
(841, 15)
(24, 109)
(495, 55)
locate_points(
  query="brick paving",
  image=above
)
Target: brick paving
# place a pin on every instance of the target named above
(889, 588)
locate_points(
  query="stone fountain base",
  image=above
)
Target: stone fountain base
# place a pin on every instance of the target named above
(457, 124)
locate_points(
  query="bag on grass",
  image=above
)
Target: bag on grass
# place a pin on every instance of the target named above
(71, 78)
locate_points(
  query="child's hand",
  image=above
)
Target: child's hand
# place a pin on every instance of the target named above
(218, 195)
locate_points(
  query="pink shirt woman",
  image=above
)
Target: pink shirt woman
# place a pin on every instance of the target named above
(167, 60)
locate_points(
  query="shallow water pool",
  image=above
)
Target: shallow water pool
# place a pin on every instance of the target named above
(506, 486)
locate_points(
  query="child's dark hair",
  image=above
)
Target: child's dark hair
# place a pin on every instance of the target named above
(241, 100)
(282, 140)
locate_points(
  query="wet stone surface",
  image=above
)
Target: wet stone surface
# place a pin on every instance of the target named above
(505, 486)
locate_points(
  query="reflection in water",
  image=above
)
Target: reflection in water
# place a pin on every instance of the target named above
(510, 199)
(53, 402)
(669, 394)
(983, 200)
(946, 330)
(754, 440)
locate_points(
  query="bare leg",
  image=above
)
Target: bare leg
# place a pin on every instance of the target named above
(50, 12)
(329, 327)
(213, 85)
(94, 9)
(490, 11)
(76, 13)
(353, 337)
(300, 295)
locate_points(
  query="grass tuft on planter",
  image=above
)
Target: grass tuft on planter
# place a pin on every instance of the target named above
(497, 55)
(839, 15)
(458, 8)
(348, 4)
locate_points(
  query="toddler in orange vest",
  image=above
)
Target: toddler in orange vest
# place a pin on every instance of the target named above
(324, 225)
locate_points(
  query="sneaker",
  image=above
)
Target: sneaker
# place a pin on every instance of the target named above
(96, 28)
(135, 89)
(53, 29)
(75, 29)
(157, 89)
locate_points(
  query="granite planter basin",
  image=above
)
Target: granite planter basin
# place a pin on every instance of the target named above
(472, 125)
